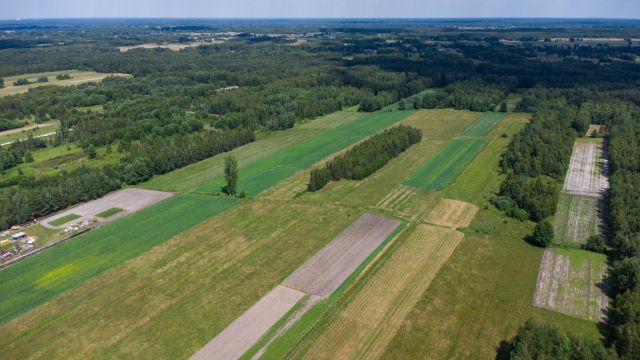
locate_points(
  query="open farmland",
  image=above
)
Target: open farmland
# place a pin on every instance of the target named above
(437, 172)
(571, 281)
(325, 271)
(259, 176)
(587, 173)
(130, 200)
(35, 280)
(211, 169)
(441, 123)
(577, 217)
(37, 130)
(243, 332)
(77, 77)
(171, 46)
(232, 260)
(483, 125)
(369, 318)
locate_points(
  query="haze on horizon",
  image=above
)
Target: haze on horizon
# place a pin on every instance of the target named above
(29, 9)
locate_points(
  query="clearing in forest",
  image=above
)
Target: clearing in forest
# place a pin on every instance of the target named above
(452, 214)
(371, 317)
(483, 125)
(440, 170)
(587, 173)
(571, 282)
(577, 217)
(77, 77)
(129, 200)
(328, 268)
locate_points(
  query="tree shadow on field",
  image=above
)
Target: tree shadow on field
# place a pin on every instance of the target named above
(503, 351)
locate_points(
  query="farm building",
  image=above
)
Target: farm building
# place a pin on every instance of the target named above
(19, 235)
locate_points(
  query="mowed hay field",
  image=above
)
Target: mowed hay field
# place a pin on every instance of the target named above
(572, 281)
(452, 214)
(172, 300)
(442, 124)
(77, 77)
(35, 280)
(577, 217)
(371, 315)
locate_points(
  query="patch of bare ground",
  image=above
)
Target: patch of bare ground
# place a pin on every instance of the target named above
(241, 334)
(329, 267)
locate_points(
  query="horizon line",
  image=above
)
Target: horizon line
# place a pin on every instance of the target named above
(318, 18)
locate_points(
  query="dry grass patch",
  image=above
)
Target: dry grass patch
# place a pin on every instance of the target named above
(452, 214)
(383, 300)
(441, 123)
(593, 128)
(408, 202)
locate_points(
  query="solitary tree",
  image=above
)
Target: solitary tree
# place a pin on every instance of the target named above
(91, 152)
(28, 157)
(231, 174)
(543, 234)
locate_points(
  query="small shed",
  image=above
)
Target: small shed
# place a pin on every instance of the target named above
(19, 235)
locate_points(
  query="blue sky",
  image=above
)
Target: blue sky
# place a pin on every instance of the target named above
(12, 9)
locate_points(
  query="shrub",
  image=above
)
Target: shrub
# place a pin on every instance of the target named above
(543, 234)
(595, 243)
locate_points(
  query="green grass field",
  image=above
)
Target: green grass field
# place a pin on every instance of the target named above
(37, 279)
(63, 220)
(261, 175)
(443, 168)
(210, 169)
(483, 125)
(171, 300)
(77, 77)
(109, 213)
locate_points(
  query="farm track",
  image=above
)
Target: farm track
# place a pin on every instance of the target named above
(371, 318)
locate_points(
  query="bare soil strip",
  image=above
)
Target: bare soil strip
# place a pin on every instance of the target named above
(330, 266)
(371, 319)
(130, 200)
(241, 334)
(587, 170)
(572, 282)
(452, 214)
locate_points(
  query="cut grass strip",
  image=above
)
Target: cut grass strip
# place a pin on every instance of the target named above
(288, 341)
(35, 280)
(576, 219)
(483, 125)
(109, 213)
(63, 220)
(440, 170)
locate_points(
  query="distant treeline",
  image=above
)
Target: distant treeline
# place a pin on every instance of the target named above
(34, 197)
(367, 157)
